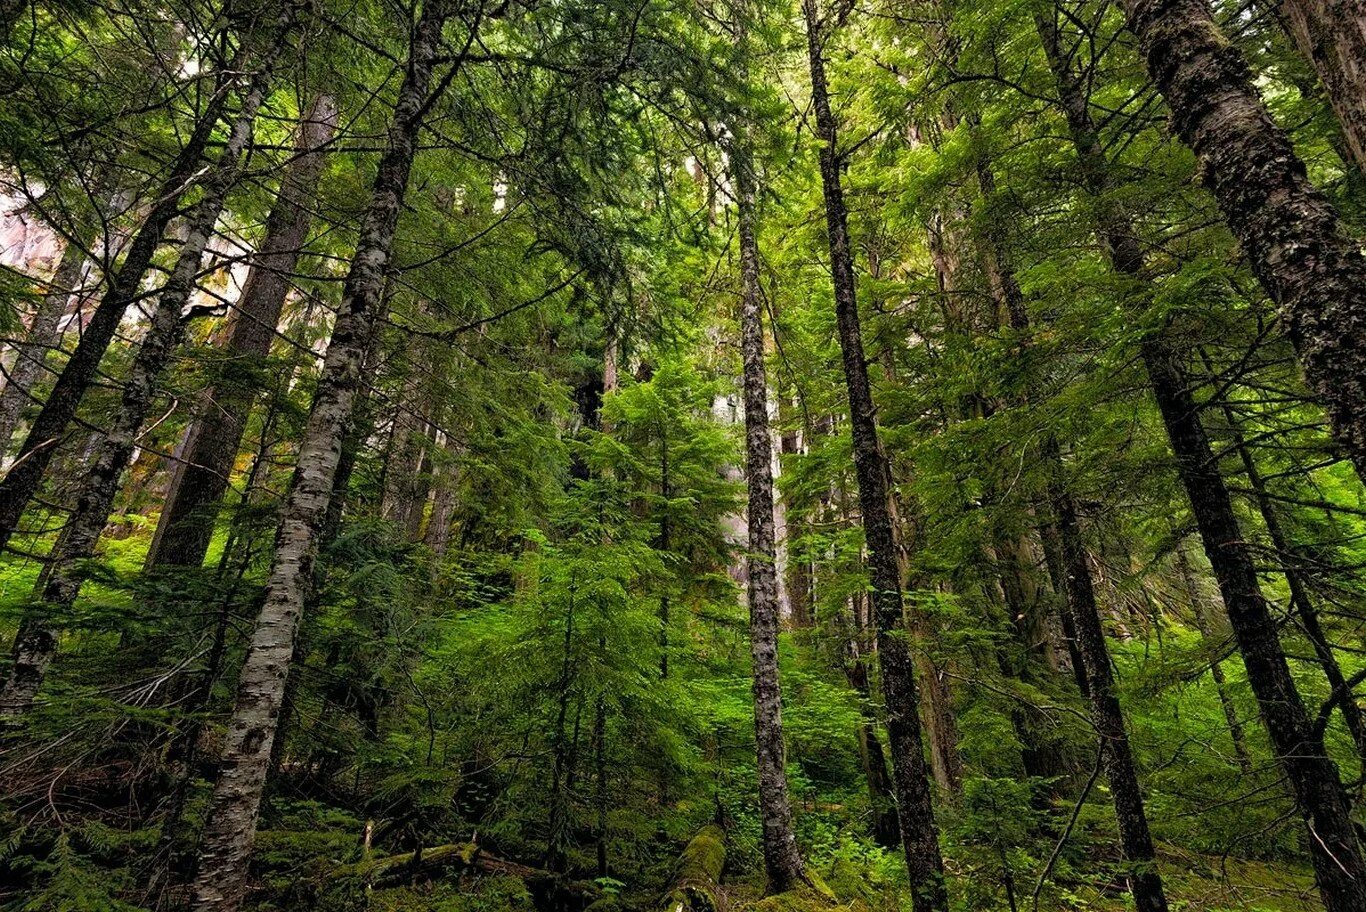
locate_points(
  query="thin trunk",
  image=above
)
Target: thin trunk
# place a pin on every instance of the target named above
(200, 479)
(1331, 34)
(36, 646)
(49, 428)
(1057, 575)
(1313, 777)
(1135, 839)
(1306, 260)
(221, 879)
(919, 834)
(1216, 668)
(782, 862)
(43, 337)
(1300, 599)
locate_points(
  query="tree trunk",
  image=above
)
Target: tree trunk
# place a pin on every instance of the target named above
(43, 337)
(1300, 599)
(782, 862)
(1202, 623)
(1307, 262)
(49, 427)
(200, 479)
(1135, 839)
(1299, 747)
(919, 834)
(36, 645)
(881, 799)
(1331, 34)
(221, 878)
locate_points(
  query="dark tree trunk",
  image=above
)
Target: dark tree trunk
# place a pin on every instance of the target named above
(49, 428)
(1300, 599)
(200, 479)
(1304, 257)
(882, 800)
(1299, 747)
(919, 834)
(221, 878)
(1135, 839)
(1331, 34)
(100, 484)
(782, 862)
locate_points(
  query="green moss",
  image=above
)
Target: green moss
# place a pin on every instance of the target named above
(703, 858)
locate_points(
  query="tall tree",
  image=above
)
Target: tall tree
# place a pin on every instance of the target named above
(221, 878)
(1331, 34)
(782, 862)
(36, 643)
(1298, 742)
(919, 833)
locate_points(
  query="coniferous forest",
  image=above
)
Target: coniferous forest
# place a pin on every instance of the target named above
(682, 455)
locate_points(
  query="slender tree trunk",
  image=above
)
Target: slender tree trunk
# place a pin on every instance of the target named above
(919, 834)
(46, 433)
(35, 647)
(782, 862)
(225, 849)
(1300, 599)
(1299, 747)
(1306, 260)
(1331, 34)
(1206, 628)
(200, 479)
(1135, 839)
(43, 337)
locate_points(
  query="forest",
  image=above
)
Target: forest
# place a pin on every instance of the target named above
(682, 455)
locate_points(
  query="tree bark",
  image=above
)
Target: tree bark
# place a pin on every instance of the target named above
(782, 862)
(1331, 34)
(35, 646)
(919, 834)
(221, 878)
(200, 479)
(1313, 777)
(1303, 256)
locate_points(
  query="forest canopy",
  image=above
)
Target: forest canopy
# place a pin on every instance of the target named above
(682, 455)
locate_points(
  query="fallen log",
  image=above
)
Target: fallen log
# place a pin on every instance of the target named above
(549, 891)
(696, 880)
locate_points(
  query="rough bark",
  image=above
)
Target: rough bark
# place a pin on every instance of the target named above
(49, 428)
(1331, 34)
(220, 881)
(43, 337)
(782, 862)
(1303, 256)
(36, 645)
(200, 479)
(1313, 777)
(919, 834)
